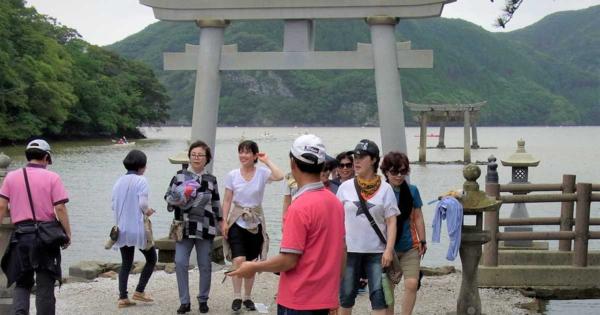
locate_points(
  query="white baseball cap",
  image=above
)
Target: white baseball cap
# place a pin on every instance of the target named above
(309, 149)
(40, 145)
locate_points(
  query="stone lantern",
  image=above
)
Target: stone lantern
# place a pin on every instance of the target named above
(6, 229)
(520, 162)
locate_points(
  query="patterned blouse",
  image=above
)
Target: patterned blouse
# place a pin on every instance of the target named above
(202, 211)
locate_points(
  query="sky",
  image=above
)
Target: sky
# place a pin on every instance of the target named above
(103, 22)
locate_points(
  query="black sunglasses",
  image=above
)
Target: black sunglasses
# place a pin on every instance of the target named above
(345, 165)
(395, 172)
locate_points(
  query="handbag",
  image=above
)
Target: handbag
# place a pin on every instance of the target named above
(114, 233)
(176, 230)
(148, 233)
(50, 233)
(394, 270)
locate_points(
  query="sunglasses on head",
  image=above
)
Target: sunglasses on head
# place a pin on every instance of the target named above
(345, 165)
(396, 172)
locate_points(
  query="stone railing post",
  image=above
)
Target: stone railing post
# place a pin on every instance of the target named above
(491, 218)
(566, 211)
(6, 229)
(582, 224)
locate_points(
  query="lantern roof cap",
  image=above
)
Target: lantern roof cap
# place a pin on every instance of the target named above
(521, 158)
(180, 158)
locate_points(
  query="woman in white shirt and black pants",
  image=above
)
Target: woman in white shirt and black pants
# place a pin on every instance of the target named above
(130, 204)
(244, 228)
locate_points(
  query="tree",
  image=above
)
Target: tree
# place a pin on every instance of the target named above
(509, 10)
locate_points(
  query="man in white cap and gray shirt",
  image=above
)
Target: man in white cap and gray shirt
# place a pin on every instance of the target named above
(33, 188)
(312, 248)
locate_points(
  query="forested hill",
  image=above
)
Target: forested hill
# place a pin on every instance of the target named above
(523, 81)
(54, 84)
(570, 37)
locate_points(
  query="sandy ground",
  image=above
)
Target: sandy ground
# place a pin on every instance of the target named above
(437, 296)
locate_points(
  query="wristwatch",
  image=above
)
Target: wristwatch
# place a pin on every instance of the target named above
(423, 242)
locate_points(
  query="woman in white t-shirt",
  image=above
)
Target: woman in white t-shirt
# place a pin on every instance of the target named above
(244, 229)
(365, 250)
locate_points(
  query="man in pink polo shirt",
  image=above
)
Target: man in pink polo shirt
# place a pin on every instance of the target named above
(26, 256)
(312, 246)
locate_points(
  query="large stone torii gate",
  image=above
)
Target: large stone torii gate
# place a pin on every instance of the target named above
(384, 55)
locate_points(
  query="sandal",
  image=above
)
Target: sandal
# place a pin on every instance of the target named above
(125, 303)
(142, 296)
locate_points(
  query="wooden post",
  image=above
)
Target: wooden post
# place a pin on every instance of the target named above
(566, 212)
(423, 139)
(467, 137)
(441, 140)
(582, 221)
(475, 143)
(491, 218)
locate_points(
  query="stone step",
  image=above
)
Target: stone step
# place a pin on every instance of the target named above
(539, 275)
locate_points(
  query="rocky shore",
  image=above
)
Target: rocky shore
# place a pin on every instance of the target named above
(99, 296)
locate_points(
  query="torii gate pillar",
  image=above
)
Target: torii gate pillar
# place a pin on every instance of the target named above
(208, 82)
(387, 83)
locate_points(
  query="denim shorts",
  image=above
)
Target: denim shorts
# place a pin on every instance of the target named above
(355, 263)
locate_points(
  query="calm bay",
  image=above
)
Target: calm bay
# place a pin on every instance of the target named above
(90, 168)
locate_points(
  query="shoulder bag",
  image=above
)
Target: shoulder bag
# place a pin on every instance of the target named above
(50, 233)
(114, 231)
(394, 270)
(113, 235)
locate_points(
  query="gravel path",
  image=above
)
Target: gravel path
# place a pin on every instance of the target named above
(437, 296)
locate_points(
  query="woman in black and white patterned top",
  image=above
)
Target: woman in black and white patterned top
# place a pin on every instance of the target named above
(193, 196)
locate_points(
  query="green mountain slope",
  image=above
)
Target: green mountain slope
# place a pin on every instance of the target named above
(523, 85)
(572, 37)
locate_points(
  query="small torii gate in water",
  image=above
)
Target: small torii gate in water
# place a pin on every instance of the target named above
(384, 55)
(445, 113)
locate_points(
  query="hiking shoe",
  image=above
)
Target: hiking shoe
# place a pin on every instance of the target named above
(142, 296)
(249, 305)
(236, 305)
(125, 303)
(203, 307)
(184, 308)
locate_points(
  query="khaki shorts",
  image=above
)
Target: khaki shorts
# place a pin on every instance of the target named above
(410, 263)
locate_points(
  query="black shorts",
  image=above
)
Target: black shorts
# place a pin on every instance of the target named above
(244, 243)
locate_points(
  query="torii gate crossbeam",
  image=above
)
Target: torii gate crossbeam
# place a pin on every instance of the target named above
(384, 55)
